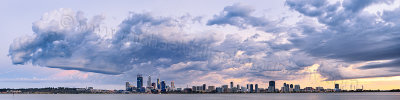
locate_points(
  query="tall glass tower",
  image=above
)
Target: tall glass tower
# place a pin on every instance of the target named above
(139, 81)
(163, 85)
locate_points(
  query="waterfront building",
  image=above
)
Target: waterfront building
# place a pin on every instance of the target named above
(172, 85)
(247, 88)
(271, 87)
(149, 81)
(231, 85)
(163, 86)
(224, 88)
(309, 89)
(291, 88)
(154, 86)
(319, 89)
(158, 83)
(204, 87)
(337, 89)
(251, 88)
(296, 88)
(140, 83)
(219, 89)
(128, 86)
(211, 88)
(256, 88)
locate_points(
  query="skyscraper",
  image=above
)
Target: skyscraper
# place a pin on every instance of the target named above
(158, 83)
(224, 88)
(285, 87)
(204, 87)
(337, 89)
(172, 85)
(163, 85)
(139, 81)
(149, 81)
(251, 88)
(271, 87)
(154, 85)
(296, 88)
(231, 85)
(256, 88)
(128, 86)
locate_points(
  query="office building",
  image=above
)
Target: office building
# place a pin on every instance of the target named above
(128, 86)
(139, 81)
(154, 86)
(297, 88)
(231, 85)
(251, 88)
(319, 89)
(256, 88)
(204, 87)
(211, 88)
(158, 83)
(163, 86)
(172, 85)
(271, 87)
(149, 81)
(224, 88)
(337, 89)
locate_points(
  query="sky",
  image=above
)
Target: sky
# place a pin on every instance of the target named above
(103, 44)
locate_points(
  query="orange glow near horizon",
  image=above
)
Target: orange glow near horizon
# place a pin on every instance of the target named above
(314, 79)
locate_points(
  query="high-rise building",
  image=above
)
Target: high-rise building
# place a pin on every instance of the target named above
(256, 88)
(231, 85)
(154, 85)
(238, 86)
(211, 88)
(225, 88)
(251, 88)
(149, 81)
(336, 86)
(297, 88)
(139, 81)
(337, 89)
(158, 83)
(163, 86)
(319, 89)
(204, 87)
(291, 85)
(128, 86)
(271, 87)
(172, 85)
(286, 87)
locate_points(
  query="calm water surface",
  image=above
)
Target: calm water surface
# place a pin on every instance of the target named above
(261, 96)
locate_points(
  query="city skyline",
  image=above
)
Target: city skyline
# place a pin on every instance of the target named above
(236, 88)
(104, 44)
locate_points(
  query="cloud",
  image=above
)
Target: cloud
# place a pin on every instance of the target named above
(334, 35)
(240, 15)
(157, 46)
(347, 35)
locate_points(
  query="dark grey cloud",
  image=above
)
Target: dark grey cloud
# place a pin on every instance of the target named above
(241, 15)
(157, 46)
(351, 35)
(161, 46)
(357, 5)
(237, 15)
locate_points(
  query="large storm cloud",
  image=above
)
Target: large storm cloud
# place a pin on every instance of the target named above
(349, 34)
(256, 48)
